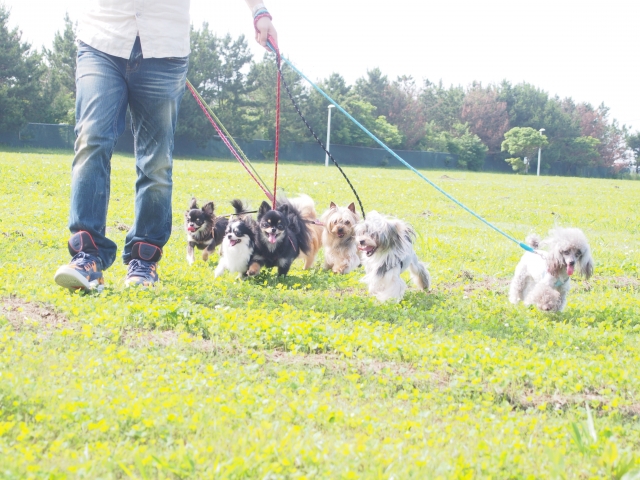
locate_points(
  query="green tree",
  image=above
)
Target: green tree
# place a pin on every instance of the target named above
(60, 81)
(584, 151)
(468, 147)
(524, 142)
(216, 70)
(633, 143)
(343, 130)
(406, 111)
(21, 72)
(375, 90)
(203, 60)
(232, 86)
(564, 123)
(442, 106)
(263, 78)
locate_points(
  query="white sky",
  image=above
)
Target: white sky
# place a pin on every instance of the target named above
(583, 49)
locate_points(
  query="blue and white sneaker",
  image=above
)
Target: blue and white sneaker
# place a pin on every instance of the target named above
(142, 269)
(85, 269)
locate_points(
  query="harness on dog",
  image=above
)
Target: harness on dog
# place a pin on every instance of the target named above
(315, 222)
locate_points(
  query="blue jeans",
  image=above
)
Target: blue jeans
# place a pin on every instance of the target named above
(153, 89)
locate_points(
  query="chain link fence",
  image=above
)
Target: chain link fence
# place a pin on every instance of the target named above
(41, 135)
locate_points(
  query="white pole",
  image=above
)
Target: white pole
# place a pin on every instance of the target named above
(539, 152)
(326, 156)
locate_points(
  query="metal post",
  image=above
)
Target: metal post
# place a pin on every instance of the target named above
(326, 156)
(539, 152)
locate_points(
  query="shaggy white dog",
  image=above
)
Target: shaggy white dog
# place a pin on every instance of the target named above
(386, 244)
(543, 278)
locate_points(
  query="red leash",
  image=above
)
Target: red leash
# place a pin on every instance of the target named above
(226, 141)
(195, 95)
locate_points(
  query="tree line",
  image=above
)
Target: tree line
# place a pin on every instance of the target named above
(471, 122)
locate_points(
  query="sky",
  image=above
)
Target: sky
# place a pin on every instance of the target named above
(585, 50)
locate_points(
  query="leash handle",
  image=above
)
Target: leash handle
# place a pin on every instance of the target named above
(271, 43)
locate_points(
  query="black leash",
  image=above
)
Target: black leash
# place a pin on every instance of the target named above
(286, 87)
(234, 214)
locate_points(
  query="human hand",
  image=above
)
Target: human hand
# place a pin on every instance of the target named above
(264, 30)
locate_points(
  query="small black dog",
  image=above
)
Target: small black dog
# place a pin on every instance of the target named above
(238, 244)
(280, 237)
(204, 230)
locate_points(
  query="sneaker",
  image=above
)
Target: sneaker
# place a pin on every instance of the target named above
(85, 269)
(141, 272)
(143, 265)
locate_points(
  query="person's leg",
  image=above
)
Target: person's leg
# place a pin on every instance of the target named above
(156, 87)
(101, 101)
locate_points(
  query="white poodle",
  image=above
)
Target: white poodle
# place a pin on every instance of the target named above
(542, 278)
(386, 244)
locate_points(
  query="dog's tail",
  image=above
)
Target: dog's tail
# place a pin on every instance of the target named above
(306, 206)
(300, 210)
(533, 240)
(238, 206)
(420, 275)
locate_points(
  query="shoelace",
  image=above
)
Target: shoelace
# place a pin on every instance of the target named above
(83, 260)
(140, 268)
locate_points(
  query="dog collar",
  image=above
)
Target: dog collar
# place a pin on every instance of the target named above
(558, 283)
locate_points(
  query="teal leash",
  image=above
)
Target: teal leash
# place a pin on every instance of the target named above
(400, 159)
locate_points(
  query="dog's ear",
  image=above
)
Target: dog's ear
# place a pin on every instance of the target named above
(193, 204)
(332, 206)
(555, 261)
(284, 209)
(264, 208)
(208, 208)
(586, 265)
(352, 207)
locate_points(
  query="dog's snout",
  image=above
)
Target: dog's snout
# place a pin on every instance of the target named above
(361, 242)
(572, 263)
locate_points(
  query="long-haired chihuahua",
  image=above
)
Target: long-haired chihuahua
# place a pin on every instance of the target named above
(282, 234)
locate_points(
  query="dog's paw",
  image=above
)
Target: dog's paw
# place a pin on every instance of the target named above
(337, 269)
(253, 270)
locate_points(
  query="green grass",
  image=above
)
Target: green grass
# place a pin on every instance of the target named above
(307, 376)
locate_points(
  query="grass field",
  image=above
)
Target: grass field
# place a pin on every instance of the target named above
(306, 376)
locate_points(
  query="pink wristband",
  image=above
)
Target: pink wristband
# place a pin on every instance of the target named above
(258, 17)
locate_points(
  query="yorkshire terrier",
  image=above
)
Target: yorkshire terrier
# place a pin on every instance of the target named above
(238, 244)
(204, 230)
(281, 235)
(338, 238)
(386, 244)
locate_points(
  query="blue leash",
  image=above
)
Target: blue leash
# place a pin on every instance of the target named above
(400, 159)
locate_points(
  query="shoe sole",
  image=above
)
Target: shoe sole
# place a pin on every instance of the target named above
(143, 284)
(72, 279)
